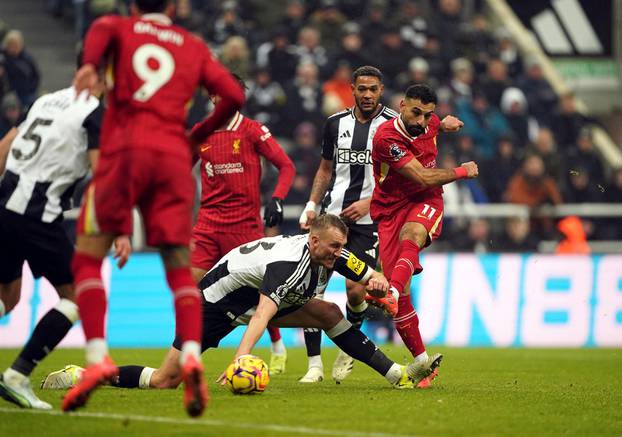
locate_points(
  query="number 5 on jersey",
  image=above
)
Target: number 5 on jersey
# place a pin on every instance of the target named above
(155, 66)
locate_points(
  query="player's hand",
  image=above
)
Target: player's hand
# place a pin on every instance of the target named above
(85, 79)
(273, 214)
(378, 286)
(471, 168)
(222, 379)
(308, 215)
(451, 124)
(122, 250)
(356, 210)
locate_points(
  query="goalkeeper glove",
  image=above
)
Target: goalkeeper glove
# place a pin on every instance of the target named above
(273, 214)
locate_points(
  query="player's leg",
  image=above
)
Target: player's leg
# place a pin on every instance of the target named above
(10, 294)
(313, 344)
(328, 317)
(11, 260)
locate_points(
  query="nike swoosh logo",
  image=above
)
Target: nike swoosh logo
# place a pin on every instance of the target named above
(204, 148)
(278, 208)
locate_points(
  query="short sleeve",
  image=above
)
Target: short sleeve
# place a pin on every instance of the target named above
(329, 139)
(392, 151)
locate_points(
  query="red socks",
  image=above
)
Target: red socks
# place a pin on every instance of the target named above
(407, 325)
(90, 294)
(275, 333)
(406, 266)
(187, 304)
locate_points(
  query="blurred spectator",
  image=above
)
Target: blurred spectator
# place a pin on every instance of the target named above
(465, 148)
(328, 20)
(4, 81)
(531, 186)
(516, 237)
(568, 122)
(613, 191)
(21, 68)
(235, 55)
(514, 108)
(447, 22)
(478, 41)
(498, 170)
(463, 191)
(309, 49)
(305, 153)
(375, 22)
(476, 239)
(337, 91)
(294, 19)
(508, 52)
(574, 241)
(227, 25)
(278, 56)
(187, 18)
(545, 148)
(303, 97)
(418, 69)
(264, 101)
(389, 53)
(495, 82)
(432, 54)
(351, 50)
(461, 79)
(610, 228)
(540, 96)
(584, 156)
(413, 24)
(482, 122)
(581, 188)
(10, 113)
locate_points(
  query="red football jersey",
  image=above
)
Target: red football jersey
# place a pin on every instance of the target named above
(231, 173)
(156, 69)
(392, 149)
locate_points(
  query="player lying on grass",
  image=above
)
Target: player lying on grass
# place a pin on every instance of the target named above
(274, 281)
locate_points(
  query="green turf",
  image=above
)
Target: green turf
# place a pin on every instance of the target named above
(480, 392)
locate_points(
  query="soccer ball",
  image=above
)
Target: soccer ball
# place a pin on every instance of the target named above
(247, 374)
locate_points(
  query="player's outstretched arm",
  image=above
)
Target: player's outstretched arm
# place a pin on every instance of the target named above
(5, 146)
(321, 181)
(435, 177)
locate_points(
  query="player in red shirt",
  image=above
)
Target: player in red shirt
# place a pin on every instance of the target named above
(145, 162)
(230, 198)
(407, 204)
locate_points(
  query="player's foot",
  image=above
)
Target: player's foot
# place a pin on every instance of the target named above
(313, 375)
(423, 369)
(387, 303)
(16, 388)
(277, 363)
(342, 366)
(427, 381)
(405, 380)
(195, 390)
(92, 377)
(62, 379)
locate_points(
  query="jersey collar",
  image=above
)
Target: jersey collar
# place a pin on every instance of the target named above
(399, 126)
(235, 122)
(158, 18)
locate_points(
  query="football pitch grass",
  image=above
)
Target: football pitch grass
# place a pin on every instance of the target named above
(479, 392)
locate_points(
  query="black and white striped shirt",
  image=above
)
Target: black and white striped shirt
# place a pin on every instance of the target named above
(278, 267)
(48, 157)
(348, 143)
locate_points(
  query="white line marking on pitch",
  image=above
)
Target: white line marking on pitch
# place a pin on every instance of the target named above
(204, 422)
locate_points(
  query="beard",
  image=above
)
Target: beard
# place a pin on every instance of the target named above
(365, 112)
(414, 129)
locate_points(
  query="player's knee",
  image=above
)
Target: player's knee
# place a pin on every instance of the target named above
(66, 291)
(331, 315)
(175, 257)
(10, 295)
(415, 232)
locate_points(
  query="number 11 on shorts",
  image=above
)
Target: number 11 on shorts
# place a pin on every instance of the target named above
(427, 211)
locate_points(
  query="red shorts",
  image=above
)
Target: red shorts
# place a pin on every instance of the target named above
(428, 212)
(161, 186)
(208, 247)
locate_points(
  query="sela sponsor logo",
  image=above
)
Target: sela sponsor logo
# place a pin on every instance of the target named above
(227, 168)
(396, 152)
(349, 156)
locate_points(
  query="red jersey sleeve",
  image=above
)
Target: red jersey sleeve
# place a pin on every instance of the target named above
(101, 34)
(392, 151)
(267, 146)
(218, 81)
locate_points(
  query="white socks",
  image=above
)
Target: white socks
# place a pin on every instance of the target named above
(96, 350)
(145, 377)
(278, 347)
(316, 361)
(423, 356)
(68, 309)
(358, 308)
(394, 374)
(190, 348)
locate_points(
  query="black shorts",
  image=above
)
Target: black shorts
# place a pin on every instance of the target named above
(216, 325)
(363, 242)
(45, 246)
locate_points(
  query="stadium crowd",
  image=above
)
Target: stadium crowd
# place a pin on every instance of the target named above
(298, 56)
